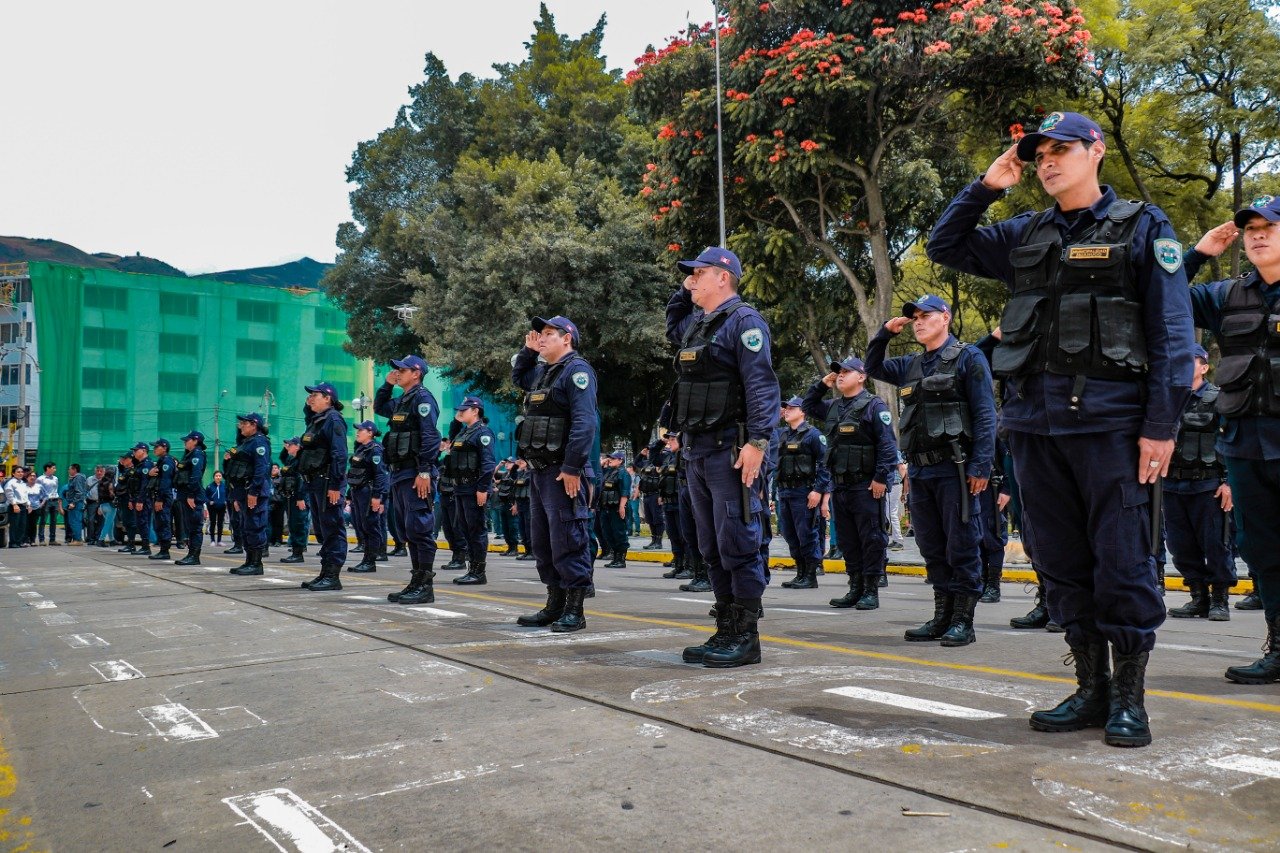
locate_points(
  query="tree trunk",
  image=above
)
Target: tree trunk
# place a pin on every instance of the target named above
(1237, 197)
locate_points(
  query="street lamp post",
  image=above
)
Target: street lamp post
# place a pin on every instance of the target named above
(360, 404)
(268, 400)
(217, 420)
(715, 7)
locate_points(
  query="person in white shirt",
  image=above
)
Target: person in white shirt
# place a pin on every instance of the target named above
(18, 501)
(50, 506)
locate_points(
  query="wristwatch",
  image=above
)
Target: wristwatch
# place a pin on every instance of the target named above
(761, 444)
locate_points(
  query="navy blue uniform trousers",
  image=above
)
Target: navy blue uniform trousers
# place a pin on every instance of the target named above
(558, 531)
(522, 518)
(468, 520)
(949, 546)
(653, 514)
(162, 520)
(860, 530)
(799, 525)
(995, 531)
(416, 521)
(688, 524)
(331, 528)
(449, 524)
(1088, 522)
(671, 525)
(253, 522)
(193, 522)
(1255, 491)
(368, 522)
(1194, 532)
(730, 548)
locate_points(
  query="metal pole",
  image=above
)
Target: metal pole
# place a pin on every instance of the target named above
(22, 389)
(719, 125)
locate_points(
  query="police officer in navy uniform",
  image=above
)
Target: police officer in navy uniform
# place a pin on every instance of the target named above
(448, 509)
(189, 483)
(725, 403)
(322, 461)
(470, 464)
(248, 472)
(1244, 316)
(802, 481)
(1093, 354)
(994, 525)
(650, 480)
(130, 494)
(520, 481)
(948, 434)
(411, 446)
(668, 465)
(556, 436)
(144, 504)
(293, 488)
(161, 495)
(1197, 501)
(615, 491)
(861, 451)
(505, 490)
(369, 483)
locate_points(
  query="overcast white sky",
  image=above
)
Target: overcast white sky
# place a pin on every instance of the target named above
(215, 135)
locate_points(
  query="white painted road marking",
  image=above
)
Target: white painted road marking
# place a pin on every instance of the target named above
(284, 818)
(541, 639)
(364, 598)
(434, 611)
(177, 722)
(83, 641)
(42, 604)
(58, 619)
(32, 594)
(116, 670)
(1253, 764)
(911, 703)
(692, 600)
(1205, 650)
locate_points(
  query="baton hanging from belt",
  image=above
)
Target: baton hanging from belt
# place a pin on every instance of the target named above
(1157, 510)
(957, 456)
(746, 490)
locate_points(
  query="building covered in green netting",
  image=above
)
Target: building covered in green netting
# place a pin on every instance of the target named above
(122, 358)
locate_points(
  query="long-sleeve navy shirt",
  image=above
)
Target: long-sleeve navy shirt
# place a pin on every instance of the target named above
(329, 430)
(811, 442)
(574, 388)
(422, 412)
(477, 437)
(1041, 403)
(195, 485)
(875, 422)
(380, 485)
(975, 376)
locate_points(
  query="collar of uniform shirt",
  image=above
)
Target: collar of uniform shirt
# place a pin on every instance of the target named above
(1098, 209)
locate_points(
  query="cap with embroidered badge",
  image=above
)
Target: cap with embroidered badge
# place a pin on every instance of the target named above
(252, 418)
(1198, 351)
(927, 303)
(370, 426)
(1266, 206)
(562, 323)
(142, 445)
(410, 362)
(469, 402)
(713, 256)
(1065, 127)
(617, 454)
(161, 442)
(194, 434)
(850, 363)
(296, 440)
(328, 390)
(793, 403)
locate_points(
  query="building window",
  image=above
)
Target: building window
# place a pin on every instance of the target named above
(252, 311)
(175, 383)
(327, 318)
(99, 338)
(111, 298)
(101, 420)
(9, 374)
(102, 379)
(255, 350)
(179, 304)
(332, 354)
(254, 386)
(174, 344)
(9, 415)
(177, 422)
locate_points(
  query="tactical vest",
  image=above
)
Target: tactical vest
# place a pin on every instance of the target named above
(650, 479)
(506, 487)
(313, 459)
(611, 488)
(239, 468)
(851, 450)
(708, 395)
(1075, 310)
(521, 485)
(1249, 372)
(182, 477)
(543, 435)
(796, 465)
(290, 479)
(935, 411)
(150, 484)
(131, 481)
(403, 439)
(1194, 456)
(669, 478)
(360, 467)
(463, 461)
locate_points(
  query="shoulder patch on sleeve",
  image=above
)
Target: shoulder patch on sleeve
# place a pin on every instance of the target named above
(822, 438)
(377, 460)
(424, 410)
(581, 379)
(262, 451)
(484, 440)
(886, 418)
(1168, 254)
(753, 339)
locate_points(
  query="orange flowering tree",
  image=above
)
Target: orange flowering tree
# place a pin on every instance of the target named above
(843, 130)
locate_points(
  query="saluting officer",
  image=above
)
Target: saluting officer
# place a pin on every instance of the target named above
(948, 434)
(860, 454)
(1197, 501)
(470, 464)
(615, 490)
(802, 482)
(413, 440)
(369, 483)
(725, 403)
(295, 500)
(556, 436)
(1093, 353)
(248, 472)
(322, 461)
(189, 483)
(1244, 316)
(160, 480)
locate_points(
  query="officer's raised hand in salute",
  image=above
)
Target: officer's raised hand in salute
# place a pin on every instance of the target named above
(1094, 356)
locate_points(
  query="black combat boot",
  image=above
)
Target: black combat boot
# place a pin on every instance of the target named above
(357, 548)
(857, 588)
(413, 580)
(400, 551)
(1090, 704)
(991, 584)
(802, 572)
(457, 561)
(943, 608)
(1265, 670)
(870, 599)
(655, 544)
(144, 551)
(619, 560)
(420, 589)
(883, 580)
(525, 555)
(723, 614)
(381, 552)
(1038, 616)
(677, 566)
(236, 548)
(192, 558)
(247, 564)
(512, 551)
(1251, 601)
(808, 577)
(1197, 607)
(475, 577)
(295, 555)
(329, 579)
(960, 632)
(1218, 610)
(551, 611)
(252, 565)
(1127, 721)
(689, 569)
(366, 564)
(571, 618)
(742, 647)
(130, 546)
(701, 582)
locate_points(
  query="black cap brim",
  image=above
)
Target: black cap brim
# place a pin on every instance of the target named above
(1242, 217)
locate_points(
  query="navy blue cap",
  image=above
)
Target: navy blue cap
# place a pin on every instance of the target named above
(617, 454)
(713, 256)
(1199, 352)
(669, 434)
(161, 442)
(850, 363)
(297, 439)
(1266, 206)
(194, 434)
(410, 362)
(1063, 126)
(328, 390)
(564, 324)
(370, 426)
(469, 402)
(794, 403)
(142, 445)
(251, 417)
(929, 302)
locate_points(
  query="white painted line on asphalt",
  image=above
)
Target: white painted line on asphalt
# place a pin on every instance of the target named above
(438, 779)
(58, 619)
(1253, 764)
(364, 598)
(42, 604)
(435, 611)
(1205, 650)
(911, 703)
(116, 670)
(284, 818)
(521, 580)
(692, 600)
(83, 641)
(548, 639)
(279, 580)
(31, 594)
(180, 629)
(177, 722)
(24, 585)
(828, 612)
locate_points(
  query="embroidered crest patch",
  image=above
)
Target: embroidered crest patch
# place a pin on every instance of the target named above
(262, 451)
(753, 339)
(1168, 254)
(581, 379)
(484, 440)
(377, 460)
(424, 409)
(886, 418)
